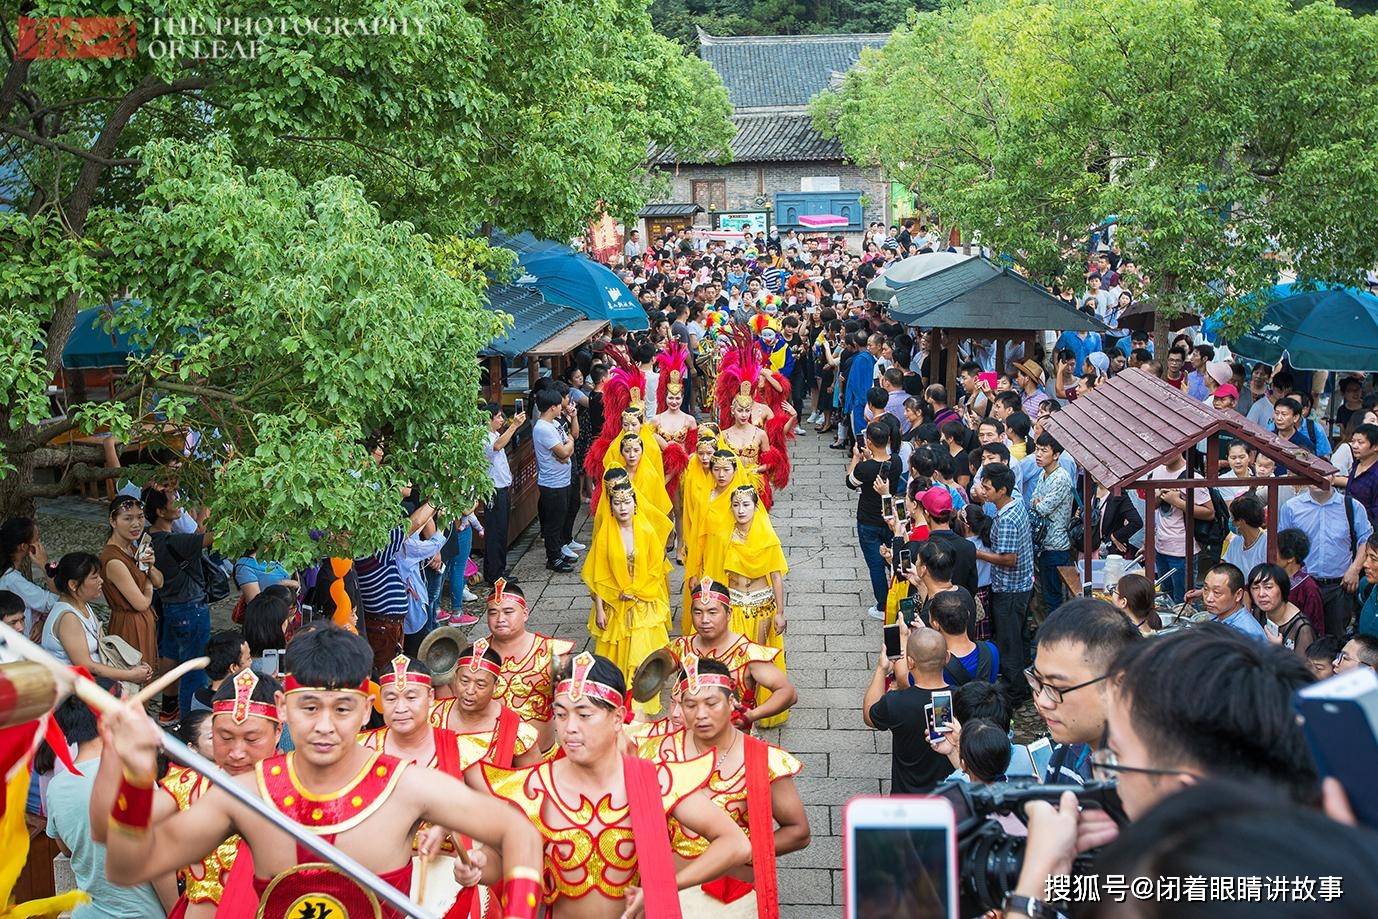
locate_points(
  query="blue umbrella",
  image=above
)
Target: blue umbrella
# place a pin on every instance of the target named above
(582, 284)
(1326, 328)
(92, 344)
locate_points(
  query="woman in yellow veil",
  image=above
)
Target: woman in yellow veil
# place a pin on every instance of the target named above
(694, 485)
(627, 575)
(711, 528)
(628, 451)
(754, 568)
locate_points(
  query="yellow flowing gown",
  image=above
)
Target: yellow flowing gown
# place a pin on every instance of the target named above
(759, 555)
(635, 589)
(649, 478)
(703, 556)
(695, 485)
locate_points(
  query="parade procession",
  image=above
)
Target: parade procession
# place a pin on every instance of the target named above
(689, 459)
(617, 776)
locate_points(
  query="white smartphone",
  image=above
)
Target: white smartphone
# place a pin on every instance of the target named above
(1041, 752)
(899, 857)
(942, 710)
(1271, 628)
(1021, 762)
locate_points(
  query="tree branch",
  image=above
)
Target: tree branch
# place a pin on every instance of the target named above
(65, 148)
(194, 389)
(73, 476)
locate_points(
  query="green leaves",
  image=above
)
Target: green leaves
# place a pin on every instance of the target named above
(1233, 138)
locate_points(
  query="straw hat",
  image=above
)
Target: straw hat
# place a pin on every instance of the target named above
(1031, 368)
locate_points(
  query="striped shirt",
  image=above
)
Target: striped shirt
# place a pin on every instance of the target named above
(381, 588)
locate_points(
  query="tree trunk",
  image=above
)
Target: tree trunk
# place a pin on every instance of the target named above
(13, 501)
(1162, 318)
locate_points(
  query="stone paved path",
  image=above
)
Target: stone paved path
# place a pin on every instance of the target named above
(832, 647)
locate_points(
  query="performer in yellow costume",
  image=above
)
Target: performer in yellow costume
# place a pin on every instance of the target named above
(694, 486)
(627, 574)
(711, 531)
(628, 451)
(754, 568)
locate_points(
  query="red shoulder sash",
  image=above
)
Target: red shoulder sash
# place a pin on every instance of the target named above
(760, 815)
(447, 752)
(653, 855)
(504, 748)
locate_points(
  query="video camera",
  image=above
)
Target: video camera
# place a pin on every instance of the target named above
(988, 857)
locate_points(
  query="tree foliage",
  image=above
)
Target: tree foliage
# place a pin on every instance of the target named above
(310, 273)
(680, 19)
(1233, 138)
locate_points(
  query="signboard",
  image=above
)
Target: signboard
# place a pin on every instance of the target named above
(750, 221)
(605, 239)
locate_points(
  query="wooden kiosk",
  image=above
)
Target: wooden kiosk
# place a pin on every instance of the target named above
(1130, 424)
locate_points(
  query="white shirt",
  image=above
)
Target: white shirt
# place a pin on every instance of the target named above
(38, 601)
(499, 471)
(1246, 558)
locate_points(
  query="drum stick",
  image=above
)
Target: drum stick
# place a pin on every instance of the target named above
(167, 679)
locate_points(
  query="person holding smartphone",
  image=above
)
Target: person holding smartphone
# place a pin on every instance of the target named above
(915, 767)
(129, 577)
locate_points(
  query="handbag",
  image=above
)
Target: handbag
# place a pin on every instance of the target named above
(116, 652)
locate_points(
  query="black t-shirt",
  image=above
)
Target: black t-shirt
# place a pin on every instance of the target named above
(868, 502)
(960, 467)
(914, 766)
(964, 555)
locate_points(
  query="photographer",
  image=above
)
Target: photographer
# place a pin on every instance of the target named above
(1076, 646)
(1202, 703)
(915, 767)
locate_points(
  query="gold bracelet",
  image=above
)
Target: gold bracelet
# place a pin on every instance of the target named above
(517, 872)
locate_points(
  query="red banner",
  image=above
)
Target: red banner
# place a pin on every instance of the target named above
(76, 36)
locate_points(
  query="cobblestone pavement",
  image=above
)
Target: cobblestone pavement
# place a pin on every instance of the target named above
(831, 645)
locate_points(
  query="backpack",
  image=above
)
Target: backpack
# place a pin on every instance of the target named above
(958, 674)
(1213, 532)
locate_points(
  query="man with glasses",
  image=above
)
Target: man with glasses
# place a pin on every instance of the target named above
(1167, 725)
(1359, 651)
(1076, 645)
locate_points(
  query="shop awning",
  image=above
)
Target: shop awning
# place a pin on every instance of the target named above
(670, 210)
(534, 319)
(566, 340)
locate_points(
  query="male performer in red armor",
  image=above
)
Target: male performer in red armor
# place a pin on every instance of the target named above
(486, 729)
(245, 729)
(752, 781)
(524, 683)
(365, 802)
(603, 815)
(753, 666)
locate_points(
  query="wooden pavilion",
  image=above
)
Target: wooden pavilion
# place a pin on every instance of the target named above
(976, 298)
(1133, 422)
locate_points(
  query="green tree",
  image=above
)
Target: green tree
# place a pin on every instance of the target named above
(1233, 138)
(533, 116)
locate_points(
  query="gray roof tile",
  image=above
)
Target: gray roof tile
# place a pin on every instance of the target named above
(762, 71)
(771, 138)
(534, 319)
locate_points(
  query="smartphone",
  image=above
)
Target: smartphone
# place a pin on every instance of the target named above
(1339, 717)
(909, 610)
(899, 857)
(892, 641)
(1021, 763)
(272, 659)
(1041, 752)
(906, 561)
(942, 710)
(887, 505)
(519, 407)
(1271, 628)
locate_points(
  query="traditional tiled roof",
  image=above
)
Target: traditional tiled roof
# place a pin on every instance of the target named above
(979, 294)
(786, 137)
(771, 71)
(672, 209)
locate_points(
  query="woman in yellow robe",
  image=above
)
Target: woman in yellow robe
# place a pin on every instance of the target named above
(627, 575)
(712, 527)
(628, 451)
(754, 568)
(694, 485)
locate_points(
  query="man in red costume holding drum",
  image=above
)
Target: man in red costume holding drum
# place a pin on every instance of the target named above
(485, 728)
(752, 665)
(752, 781)
(245, 730)
(367, 803)
(524, 679)
(603, 815)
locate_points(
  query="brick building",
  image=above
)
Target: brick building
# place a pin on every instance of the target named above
(781, 167)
